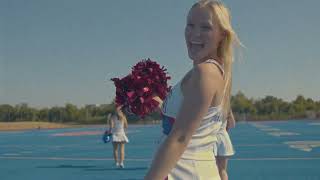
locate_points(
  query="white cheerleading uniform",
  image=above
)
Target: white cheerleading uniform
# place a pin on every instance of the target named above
(118, 133)
(198, 160)
(223, 146)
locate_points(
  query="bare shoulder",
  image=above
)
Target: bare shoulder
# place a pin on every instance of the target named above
(208, 73)
(206, 82)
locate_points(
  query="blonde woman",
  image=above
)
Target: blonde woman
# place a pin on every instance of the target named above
(118, 124)
(194, 109)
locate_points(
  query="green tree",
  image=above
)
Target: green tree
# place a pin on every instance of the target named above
(43, 114)
(6, 113)
(71, 113)
(241, 104)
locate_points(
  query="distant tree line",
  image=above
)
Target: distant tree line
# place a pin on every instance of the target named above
(89, 114)
(268, 108)
(272, 108)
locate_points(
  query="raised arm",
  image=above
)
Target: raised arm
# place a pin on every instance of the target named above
(159, 100)
(198, 95)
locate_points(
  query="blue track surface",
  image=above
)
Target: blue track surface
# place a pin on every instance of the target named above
(264, 150)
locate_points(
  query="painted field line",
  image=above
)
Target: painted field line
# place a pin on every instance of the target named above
(148, 160)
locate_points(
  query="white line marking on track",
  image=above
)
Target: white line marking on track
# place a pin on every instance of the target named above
(278, 134)
(306, 146)
(270, 129)
(148, 160)
(71, 158)
(314, 124)
(11, 154)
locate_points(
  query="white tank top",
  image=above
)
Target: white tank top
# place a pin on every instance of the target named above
(204, 136)
(117, 126)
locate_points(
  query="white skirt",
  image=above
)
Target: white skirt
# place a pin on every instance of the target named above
(195, 166)
(120, 137)
(205, 169)
(223, 147)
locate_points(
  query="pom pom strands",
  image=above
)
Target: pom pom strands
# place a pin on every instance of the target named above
(136, 91)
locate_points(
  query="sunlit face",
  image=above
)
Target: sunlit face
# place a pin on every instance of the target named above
(202, 34)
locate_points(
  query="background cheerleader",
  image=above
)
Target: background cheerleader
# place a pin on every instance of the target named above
(117, 125)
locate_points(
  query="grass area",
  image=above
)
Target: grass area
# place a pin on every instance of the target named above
(12, 126)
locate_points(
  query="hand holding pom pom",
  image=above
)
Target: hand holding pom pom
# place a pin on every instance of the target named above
(136, 92)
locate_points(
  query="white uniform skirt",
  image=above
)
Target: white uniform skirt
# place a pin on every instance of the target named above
(200, 165)
(120, 137)
(223, 147)
(204, 168)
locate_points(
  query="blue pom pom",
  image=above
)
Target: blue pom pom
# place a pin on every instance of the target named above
(107, 136)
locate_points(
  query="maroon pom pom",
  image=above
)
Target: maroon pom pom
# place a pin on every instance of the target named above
(135, 91)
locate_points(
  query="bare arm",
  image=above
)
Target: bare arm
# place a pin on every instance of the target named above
(159, 100)
(231, 121)
(125, 122)
(110, 122)
(198, 96)
(122, 116)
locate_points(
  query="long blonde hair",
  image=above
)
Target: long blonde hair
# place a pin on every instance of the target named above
(225, 48)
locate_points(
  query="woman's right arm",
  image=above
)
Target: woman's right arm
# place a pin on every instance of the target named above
(123, 117)
(125, 122)
(110, 122)
(231, 121)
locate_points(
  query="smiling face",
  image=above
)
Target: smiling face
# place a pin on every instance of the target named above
(202, 34)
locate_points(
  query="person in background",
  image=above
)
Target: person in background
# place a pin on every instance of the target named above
(117, 126)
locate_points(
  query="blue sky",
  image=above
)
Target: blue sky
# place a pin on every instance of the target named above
(54, 52)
